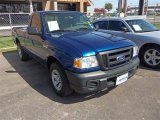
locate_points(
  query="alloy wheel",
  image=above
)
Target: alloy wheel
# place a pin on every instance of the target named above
(152, 57)
(56, 80)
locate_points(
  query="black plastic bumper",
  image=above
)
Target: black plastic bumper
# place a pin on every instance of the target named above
(99, 80)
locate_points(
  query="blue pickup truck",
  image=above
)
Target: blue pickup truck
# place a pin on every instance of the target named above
(78, 57)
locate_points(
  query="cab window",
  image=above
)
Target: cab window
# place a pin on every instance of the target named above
(101, 25)
(36, 22)
(116, 25)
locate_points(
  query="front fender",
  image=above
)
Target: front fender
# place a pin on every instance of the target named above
(63, 57)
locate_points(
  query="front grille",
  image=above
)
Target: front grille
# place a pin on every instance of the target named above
(115, 58)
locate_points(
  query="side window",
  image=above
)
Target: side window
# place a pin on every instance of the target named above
(116, 25)
(36, 22)
(101, 24)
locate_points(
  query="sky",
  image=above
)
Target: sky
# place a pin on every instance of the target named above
(132, 3)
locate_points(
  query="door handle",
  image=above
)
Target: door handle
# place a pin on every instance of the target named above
(45, 46)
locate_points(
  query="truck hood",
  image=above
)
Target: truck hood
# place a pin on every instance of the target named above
(89, 43)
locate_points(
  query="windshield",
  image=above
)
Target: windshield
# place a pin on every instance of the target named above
(60, 22)
(141, 26)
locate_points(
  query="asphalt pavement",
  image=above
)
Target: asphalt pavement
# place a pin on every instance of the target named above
(26, 94)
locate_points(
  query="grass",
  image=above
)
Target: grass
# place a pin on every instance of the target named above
(157, 25)
(6, 42)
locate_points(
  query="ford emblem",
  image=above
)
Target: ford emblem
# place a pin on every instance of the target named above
(120, 58)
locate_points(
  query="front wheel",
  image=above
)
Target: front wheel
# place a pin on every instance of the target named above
(59, 80)
(150, 56)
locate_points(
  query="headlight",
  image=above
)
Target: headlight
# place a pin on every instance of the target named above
(85, 62)
(135, 51)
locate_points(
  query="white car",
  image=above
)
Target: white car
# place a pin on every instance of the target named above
(143, 33)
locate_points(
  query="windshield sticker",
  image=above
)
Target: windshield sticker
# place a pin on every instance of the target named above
(137, 27)
(53, 25)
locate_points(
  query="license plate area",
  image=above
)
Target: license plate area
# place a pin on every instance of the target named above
(121, 79)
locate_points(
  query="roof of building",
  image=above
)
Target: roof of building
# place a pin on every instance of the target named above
(90, 2)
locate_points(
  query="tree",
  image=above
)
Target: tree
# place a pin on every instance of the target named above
(108, 6)
(99, 10)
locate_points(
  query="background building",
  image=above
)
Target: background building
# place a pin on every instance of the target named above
(148, 9)
(24, 6)
(15, 13)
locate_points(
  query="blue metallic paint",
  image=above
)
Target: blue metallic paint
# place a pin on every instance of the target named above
(67, 46)
(71, 45)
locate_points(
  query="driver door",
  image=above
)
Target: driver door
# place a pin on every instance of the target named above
(38, 47)
(116, 27)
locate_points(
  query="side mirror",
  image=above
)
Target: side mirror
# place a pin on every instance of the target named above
(96, 27)
(124, 29)
(33, 31)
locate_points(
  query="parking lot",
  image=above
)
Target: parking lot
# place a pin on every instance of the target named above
(26, 94)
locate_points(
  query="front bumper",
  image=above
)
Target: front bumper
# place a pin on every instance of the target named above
(99, 80)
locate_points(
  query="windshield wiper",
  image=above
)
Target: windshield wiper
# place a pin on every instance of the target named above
(84, 28)
(151, 30)
(156, 30)
(60, 31)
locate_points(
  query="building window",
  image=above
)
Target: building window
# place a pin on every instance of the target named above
(21, 7)
(67, 6)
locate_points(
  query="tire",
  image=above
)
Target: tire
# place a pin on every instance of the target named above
(150, 56)
(59, 80)
(21, 53)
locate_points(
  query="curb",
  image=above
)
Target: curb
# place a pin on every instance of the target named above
(7, 48)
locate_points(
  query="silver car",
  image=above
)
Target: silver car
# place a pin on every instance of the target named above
(143, 33)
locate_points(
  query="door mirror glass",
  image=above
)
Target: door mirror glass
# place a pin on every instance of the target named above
(124, 29)
(97, 27)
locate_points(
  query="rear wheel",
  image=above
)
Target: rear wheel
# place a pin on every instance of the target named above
(150, 56)
(59, 80)
(21, 53)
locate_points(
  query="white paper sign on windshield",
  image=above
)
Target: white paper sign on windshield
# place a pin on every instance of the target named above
(53, 25)
(137, 27)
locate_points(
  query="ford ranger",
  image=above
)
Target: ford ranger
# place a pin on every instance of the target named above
(78, 57)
